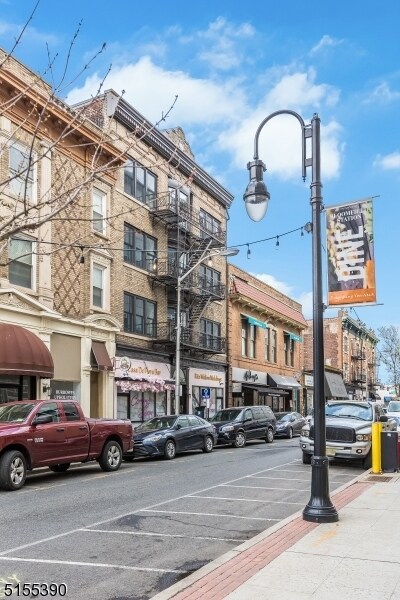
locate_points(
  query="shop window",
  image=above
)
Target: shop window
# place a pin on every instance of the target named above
(142, 406)
(140, 183)
(139, 248)
(21, 265)
(139, 315)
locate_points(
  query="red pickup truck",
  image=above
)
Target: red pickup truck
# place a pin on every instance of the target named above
(55, 433)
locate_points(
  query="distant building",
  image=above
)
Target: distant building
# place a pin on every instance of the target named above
(265, 335)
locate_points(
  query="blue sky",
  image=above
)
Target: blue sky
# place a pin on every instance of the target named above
(232, 64)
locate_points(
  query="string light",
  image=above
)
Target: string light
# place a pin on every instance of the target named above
(277, 240)
(248, 251)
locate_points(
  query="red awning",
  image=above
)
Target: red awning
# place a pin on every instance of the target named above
(23, 353)
(101, 357)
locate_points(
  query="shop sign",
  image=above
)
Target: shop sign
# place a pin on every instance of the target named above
(206, 378)
(236, 387)
(140, 369)
(309, 380)
(64, 390)
(247, 375)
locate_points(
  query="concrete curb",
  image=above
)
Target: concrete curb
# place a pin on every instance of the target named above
(172, 591)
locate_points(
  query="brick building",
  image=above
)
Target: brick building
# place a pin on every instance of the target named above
(265, 330)
(56, 345)
(167, 216)
(350, 350)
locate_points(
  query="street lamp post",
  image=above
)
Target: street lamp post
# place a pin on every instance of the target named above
(180, 279)
(319, 508)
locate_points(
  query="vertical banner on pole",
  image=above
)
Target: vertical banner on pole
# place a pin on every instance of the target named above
(350, 254)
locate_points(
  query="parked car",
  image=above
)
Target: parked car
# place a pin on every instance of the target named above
(348, 431)
(55, 433)
(393, 411)
(166, 436)
(289, 424)
(237, 425)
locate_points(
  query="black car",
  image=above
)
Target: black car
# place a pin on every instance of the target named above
(237, 425)
(166, 436)
(289, 424)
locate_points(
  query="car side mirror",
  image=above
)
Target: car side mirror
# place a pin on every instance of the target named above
(383, 418)
(247, 419)
(42, 419)
(179, 426)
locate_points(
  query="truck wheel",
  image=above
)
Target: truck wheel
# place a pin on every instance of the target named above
(240, 440)
(12, 470)
(306, 459)
(169, 450)
(60, 468)
(367, 461)
(269, 438)
(111, 456)
(208, 444)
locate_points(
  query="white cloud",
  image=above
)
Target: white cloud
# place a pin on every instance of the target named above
(280, 141)
(281, 286)
(383, 93)
(306, 301)
(388, 162)
(326, 42)
(151, 90)
(222, 51)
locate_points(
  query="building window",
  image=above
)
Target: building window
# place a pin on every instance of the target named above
(99, 211)
(139, 315)
(139, 248)
(209, 224)
(244, 337)
(20, 268)
(252, 341)
(98, 285)
(21, 171)
(140, 183)
(273, 339)
(179, 202)
(289, 350)
(268, 344)
(210, 334)
(210, 279)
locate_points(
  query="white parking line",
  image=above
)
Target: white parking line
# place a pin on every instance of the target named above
(262, 487)
(247, 500)
(168, 535)
(181, 512)
(127, 514)
(276, 478)
(89, 564)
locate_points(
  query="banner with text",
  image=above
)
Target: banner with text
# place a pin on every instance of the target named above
(350, 254)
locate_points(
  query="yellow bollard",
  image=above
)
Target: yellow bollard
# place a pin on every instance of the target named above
(376, 448)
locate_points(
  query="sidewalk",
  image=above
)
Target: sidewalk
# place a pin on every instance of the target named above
(357, 558)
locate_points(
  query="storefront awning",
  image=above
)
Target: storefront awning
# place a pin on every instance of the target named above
(102, 360)
(334, 386)
(264, 389)
(254, 321)
(23, 353)
(282, 381)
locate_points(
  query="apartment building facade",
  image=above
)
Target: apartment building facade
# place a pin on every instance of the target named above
(169, 218)
(53, 346)
(351, 358)
(265, 335)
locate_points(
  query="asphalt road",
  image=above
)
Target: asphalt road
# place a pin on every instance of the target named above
(130, 534)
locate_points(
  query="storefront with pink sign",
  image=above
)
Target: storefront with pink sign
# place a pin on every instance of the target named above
(143, 388)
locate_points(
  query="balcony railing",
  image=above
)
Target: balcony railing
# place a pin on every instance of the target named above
(166, 271)
(358, 355)
(204, 342)
(359, 378)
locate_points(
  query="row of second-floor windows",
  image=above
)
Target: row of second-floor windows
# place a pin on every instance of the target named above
(140, 315)
(249, 337)
(140, 183)
(139, 248)
(209, 224)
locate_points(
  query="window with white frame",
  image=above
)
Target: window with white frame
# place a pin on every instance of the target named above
(21, 171)
(289, 349)
(21, 262)
(98, 281)
(99, 211)
(252, 341)
(273, 341)
(244, 337)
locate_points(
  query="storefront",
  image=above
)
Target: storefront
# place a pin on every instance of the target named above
(24, 360)
(207, 391)
(143, 388)
(291, 387)
(251, 388)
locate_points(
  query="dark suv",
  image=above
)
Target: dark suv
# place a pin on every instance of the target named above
(237, 425)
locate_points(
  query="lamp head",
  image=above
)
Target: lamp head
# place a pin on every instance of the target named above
(256, 196)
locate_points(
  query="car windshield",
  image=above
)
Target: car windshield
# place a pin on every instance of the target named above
(157, 423)
(227, 415)
(282, 416)
(393, 406)
(347, 409)
(15, 413)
